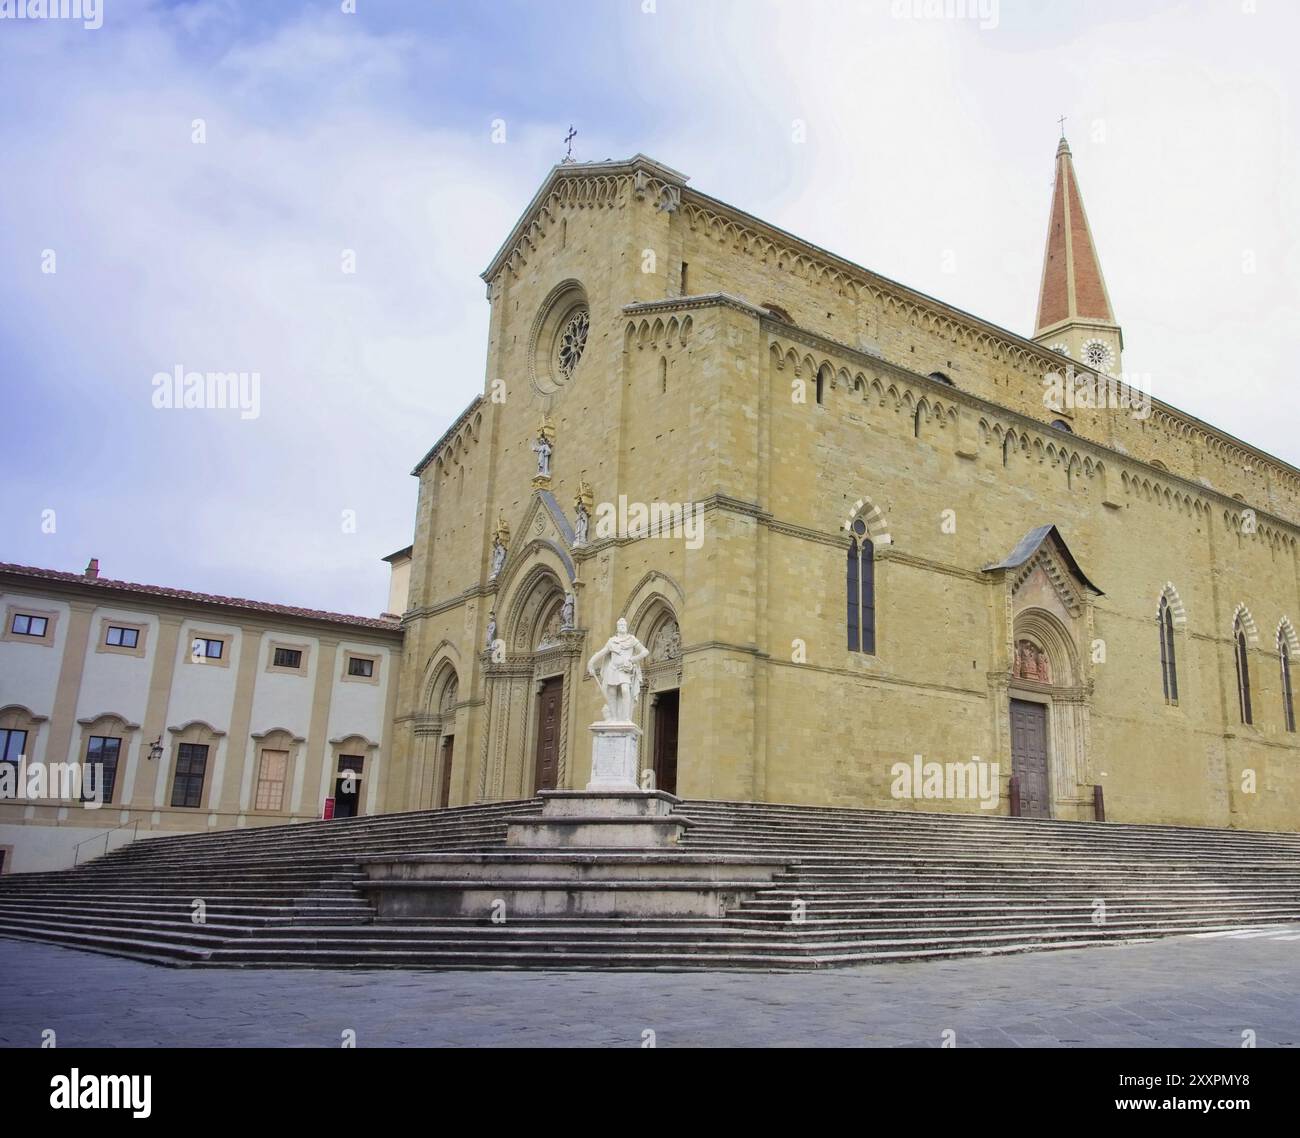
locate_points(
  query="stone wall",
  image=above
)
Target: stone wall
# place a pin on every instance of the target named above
(687, 397)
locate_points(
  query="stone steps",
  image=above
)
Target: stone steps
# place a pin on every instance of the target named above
(870, 886)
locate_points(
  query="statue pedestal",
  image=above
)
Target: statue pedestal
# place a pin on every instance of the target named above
(613, 812)
(614, 749)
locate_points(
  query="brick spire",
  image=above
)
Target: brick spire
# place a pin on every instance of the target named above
(1072, 288)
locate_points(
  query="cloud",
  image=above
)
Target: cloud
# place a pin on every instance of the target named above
(228, 256)
(928, 157)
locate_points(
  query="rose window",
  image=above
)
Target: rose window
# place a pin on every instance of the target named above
(572, 342)
(1097, 354)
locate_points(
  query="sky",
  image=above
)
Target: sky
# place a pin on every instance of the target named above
(200, 176)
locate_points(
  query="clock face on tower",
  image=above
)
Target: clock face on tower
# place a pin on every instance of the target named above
(1097, 353)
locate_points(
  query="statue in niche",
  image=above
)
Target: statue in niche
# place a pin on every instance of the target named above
(491, 631)
(500, 543)
(543, 449)
(567, 613)
(582, 504)
(617, 669)
(1032, 662)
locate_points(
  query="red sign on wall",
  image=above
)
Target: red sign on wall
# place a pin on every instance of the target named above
(329, 810)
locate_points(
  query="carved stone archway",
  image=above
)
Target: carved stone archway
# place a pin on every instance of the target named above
(655, 625)
(439, 720)
(539, 645)
(1046, 658)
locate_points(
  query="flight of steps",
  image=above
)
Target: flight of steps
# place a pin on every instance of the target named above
(861, 886)
(139, 900)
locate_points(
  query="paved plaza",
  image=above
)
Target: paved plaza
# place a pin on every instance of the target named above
(1184, 992)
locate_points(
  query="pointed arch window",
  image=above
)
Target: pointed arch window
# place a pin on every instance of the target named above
(1243, 671)
(1288, 700)
(861, 580)
(1168, 658)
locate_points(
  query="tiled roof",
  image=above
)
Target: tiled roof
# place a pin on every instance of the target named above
(38, 574)
(1072, 287)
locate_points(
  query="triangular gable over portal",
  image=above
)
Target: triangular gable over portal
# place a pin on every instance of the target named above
(1046, 547)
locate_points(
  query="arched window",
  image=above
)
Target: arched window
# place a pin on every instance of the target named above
(941, 378)
(1288, 700)
(861, 578)
(1062, 425)
(821, 386)
(1168, 660)
(1243, 671)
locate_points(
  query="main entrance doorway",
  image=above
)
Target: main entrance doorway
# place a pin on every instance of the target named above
(1029, 757)
(549, 704)
(667, 704)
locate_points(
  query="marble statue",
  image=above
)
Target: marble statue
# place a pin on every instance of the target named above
(566, 613)
(491, 631)
(543, 449)
(580, 522)
(619, 674)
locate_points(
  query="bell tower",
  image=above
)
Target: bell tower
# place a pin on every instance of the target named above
(1074, 312)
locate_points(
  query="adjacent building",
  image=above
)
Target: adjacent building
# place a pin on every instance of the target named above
(183, 712)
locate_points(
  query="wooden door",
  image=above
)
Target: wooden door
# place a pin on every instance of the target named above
(549, 703)
(1029, 757)
(665, 727)
(448, 749)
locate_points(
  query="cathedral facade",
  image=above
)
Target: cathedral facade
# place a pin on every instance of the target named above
(869, 540)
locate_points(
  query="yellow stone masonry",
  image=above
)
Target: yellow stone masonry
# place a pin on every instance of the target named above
(710, 335)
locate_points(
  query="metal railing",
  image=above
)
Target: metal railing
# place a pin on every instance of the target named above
(133, 826)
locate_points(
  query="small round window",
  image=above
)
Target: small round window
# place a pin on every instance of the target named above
(571, 342)
(1096, 353)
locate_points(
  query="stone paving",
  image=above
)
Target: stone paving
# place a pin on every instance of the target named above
(1183, 992)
